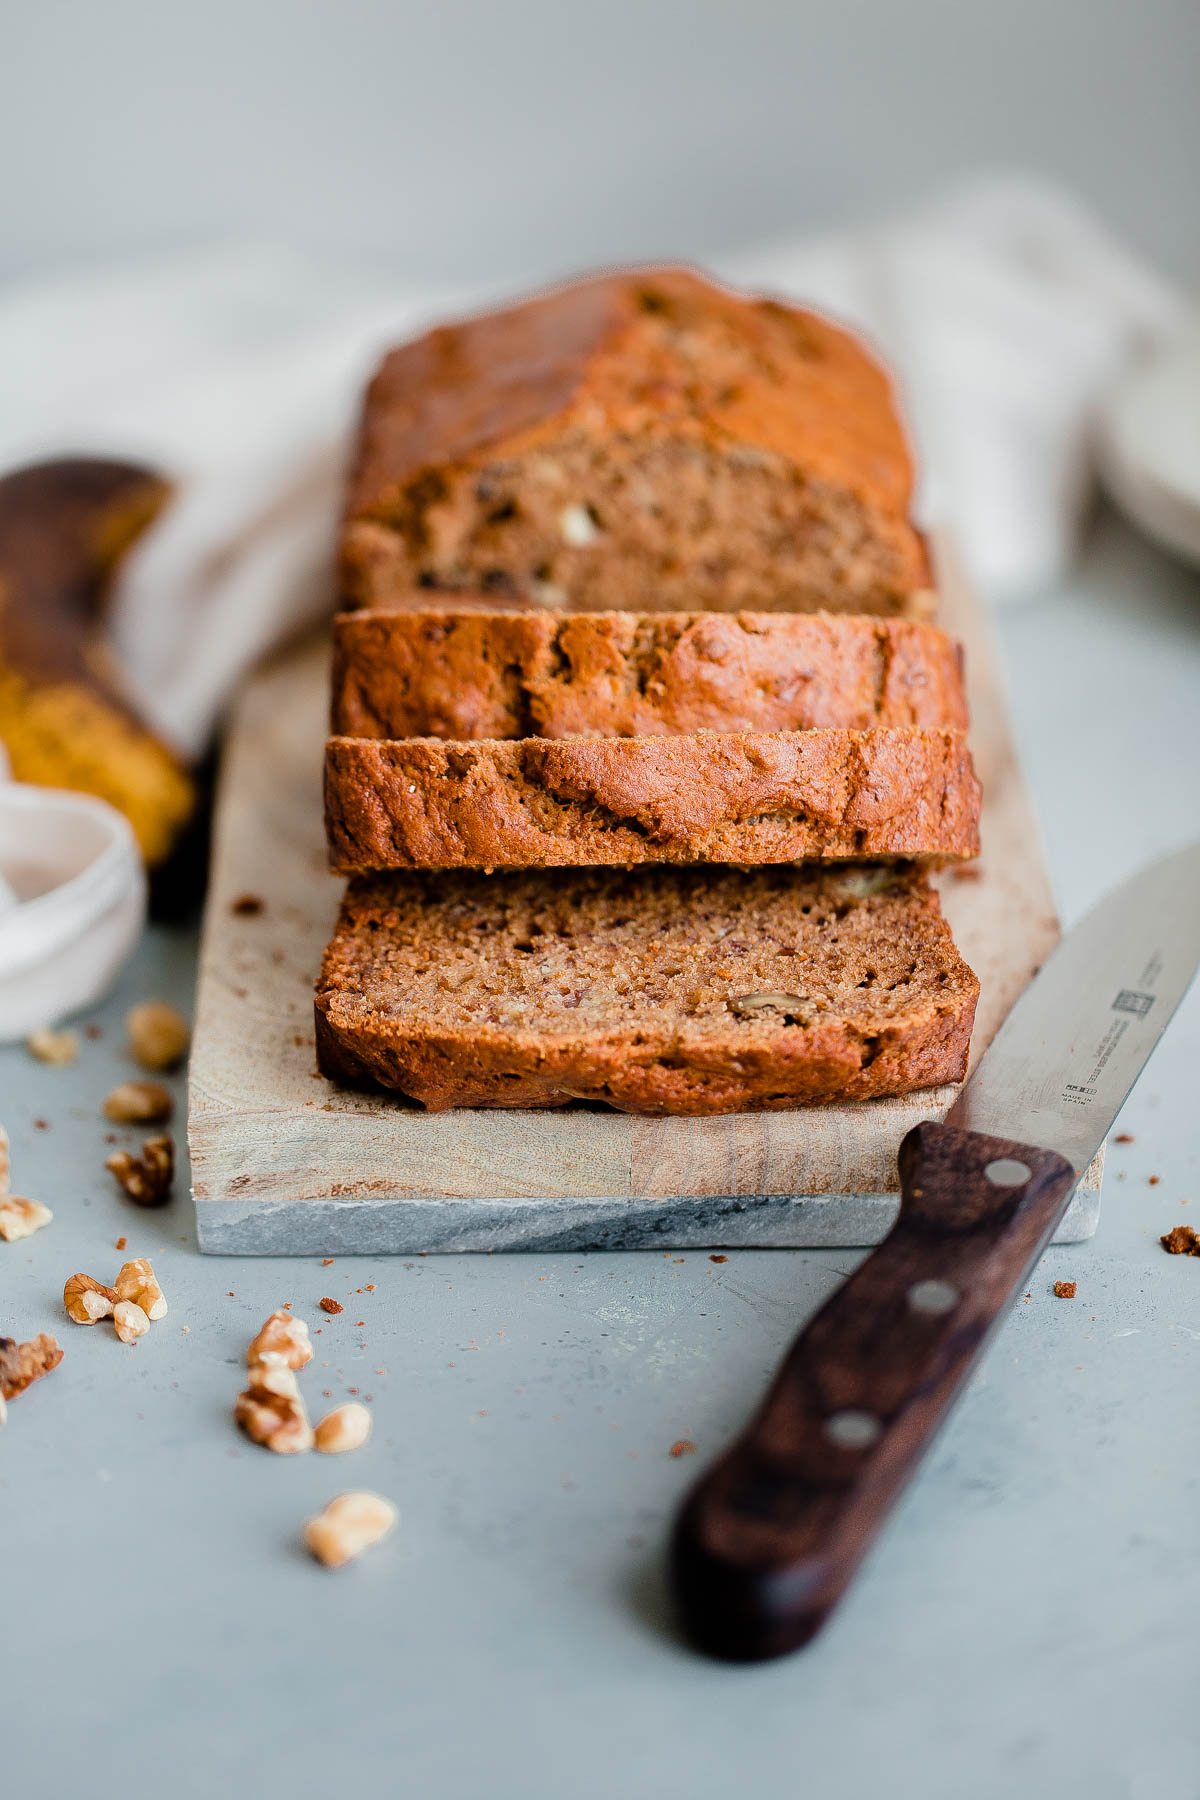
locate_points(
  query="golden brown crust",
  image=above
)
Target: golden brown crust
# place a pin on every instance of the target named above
(733, 797)
(457, 990)
(673, 409)
(463, 673)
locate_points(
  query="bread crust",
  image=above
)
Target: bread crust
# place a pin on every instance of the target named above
(724, 797)
(465, 673)
(656, 374)
(378, 1027)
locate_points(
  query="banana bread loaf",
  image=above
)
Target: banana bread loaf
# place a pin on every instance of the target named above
(465, 674)
(648, 441)
(729, 797)
(668, 991)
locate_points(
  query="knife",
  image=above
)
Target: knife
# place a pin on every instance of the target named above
(770, 1537)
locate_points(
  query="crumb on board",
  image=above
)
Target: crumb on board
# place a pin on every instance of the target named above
(246, 905)
(1124, 1137)
(1181, 1240)
(1065, 1290)
(120, 1243)
(1153, 1180)
(713, 1257)
(329, 1305)
(327, 1262)
(682, 1447)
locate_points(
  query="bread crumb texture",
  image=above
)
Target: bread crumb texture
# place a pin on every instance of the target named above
(669, 991)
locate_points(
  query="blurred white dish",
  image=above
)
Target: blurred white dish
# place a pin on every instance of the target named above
(1149, 445)
(72, 903)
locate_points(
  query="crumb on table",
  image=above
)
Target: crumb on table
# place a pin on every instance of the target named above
(1065, 1290)
(1181, 1240)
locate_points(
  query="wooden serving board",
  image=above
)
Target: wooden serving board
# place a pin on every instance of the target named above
(283, 1162)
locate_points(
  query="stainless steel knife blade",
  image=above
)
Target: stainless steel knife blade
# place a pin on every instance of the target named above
(1060, 1067)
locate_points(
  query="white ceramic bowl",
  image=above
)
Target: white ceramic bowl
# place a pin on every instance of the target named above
(1148, 445)
(72, 903)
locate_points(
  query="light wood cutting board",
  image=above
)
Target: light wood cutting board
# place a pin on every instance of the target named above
(282, 1162)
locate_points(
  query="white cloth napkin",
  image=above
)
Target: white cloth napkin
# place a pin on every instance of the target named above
(1005, 308)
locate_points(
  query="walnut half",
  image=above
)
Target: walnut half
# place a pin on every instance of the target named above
(87, 1301)
(158, 1034)
(21, 1364)
(270, 1410)
(130, 1320)
(348, 1526)
(139, 1103)
(146, 1178)
(136, 1282)
(21, 1218)
(282, 1335)
(345, 1428)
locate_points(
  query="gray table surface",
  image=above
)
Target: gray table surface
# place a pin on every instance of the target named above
(1028, 1623)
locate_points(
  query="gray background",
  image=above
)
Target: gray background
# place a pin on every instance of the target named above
(480, 139)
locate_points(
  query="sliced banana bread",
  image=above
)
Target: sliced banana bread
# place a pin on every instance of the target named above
(727, 797)
(466, 674)
(648, 441)
(669, 991)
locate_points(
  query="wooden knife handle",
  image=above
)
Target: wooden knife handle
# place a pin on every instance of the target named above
(770, 1538)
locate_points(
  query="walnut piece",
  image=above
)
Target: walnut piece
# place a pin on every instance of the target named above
(792, 1006)
(861, 884)
(576, 526)
(349, 1525)
(56, 1047)
(270, 1411)
(87, 1301)
(345, 1428)
(139, 1103)
(21, 1218)
(130, 1321)
(146, 1178)
(21, 1364)
(135, 1281)
(272, 1374)
(158, 1034)
(283, 1336)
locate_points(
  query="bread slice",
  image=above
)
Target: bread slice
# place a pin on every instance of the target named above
(455, 673)
(649, 441)
(669, 991)
(728, 797)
